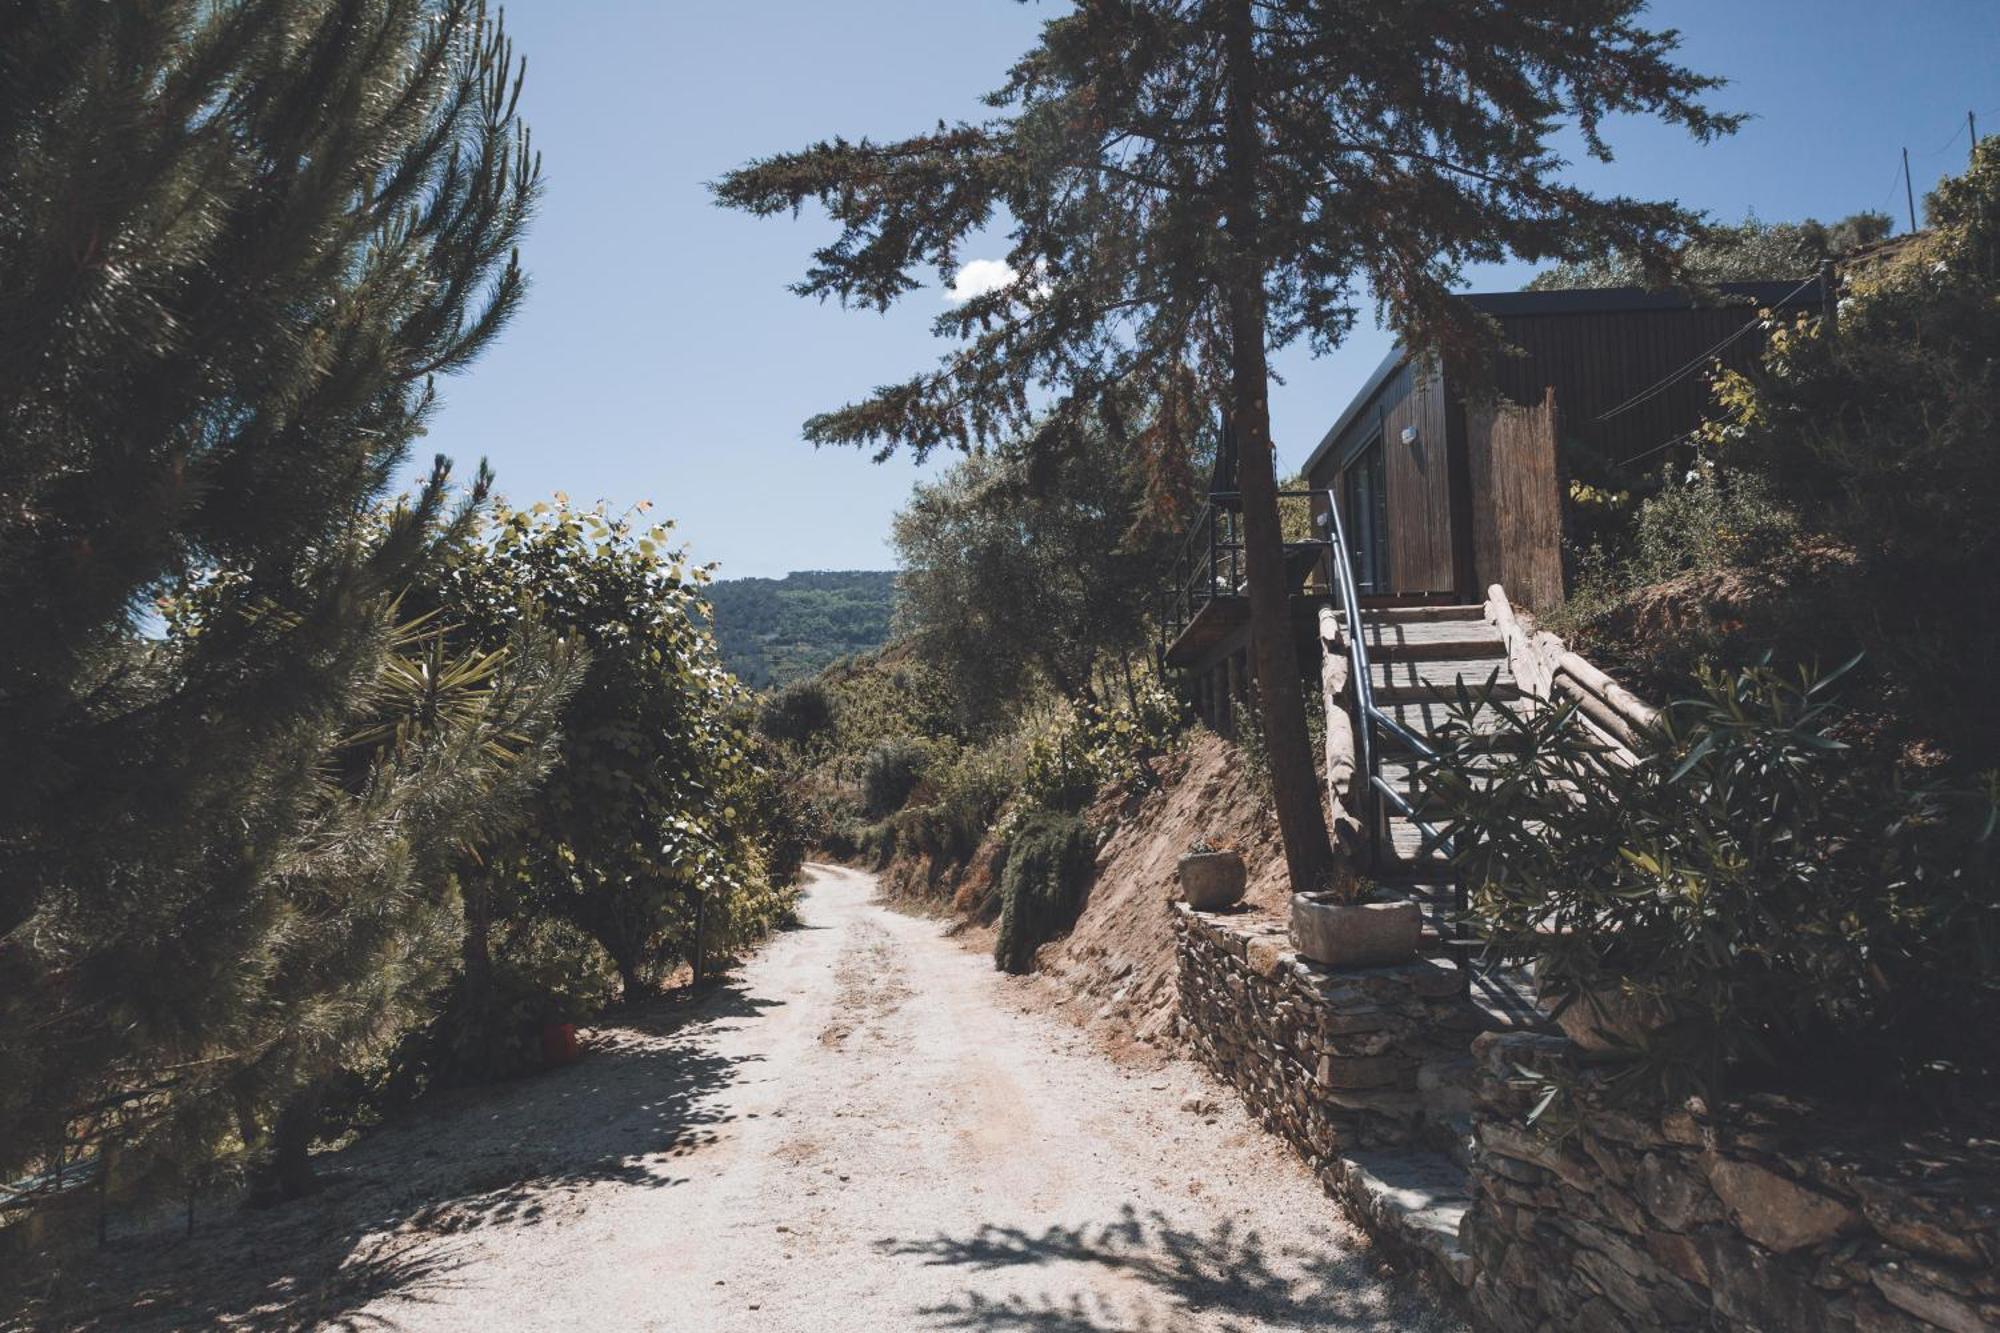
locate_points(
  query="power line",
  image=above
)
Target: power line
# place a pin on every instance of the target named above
(1647, 394)
(1685, 437)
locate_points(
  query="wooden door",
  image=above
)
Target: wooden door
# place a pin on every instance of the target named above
(1417, 485)
(1517, 502)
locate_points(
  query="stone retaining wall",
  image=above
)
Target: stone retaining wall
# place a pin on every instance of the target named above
(1770, 1217)
(1366, 1073)
(1334, 1061)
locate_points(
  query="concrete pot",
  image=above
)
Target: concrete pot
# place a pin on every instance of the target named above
(1211, 881)
(1353, 935)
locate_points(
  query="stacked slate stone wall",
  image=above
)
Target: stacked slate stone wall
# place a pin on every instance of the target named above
(1770, 1215)
(1333, 1061)
(1366, 1073)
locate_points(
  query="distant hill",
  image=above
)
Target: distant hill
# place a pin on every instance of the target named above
(775, 631)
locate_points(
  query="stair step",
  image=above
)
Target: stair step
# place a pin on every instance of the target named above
(1411, 1199)
(1422, 712)
(1417, 614)
(1444, 674)
(1444, 645)
(1406, 841)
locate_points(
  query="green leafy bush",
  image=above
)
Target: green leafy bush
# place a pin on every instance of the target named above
(1709, 518)
(968, 793)
(799, 715)
(1050, 861)
(890, 772)
(1787, 912)
(1094, 745)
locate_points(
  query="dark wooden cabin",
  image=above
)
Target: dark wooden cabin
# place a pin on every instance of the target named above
(1443, 491)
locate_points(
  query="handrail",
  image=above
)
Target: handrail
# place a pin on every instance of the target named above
(1371, 716)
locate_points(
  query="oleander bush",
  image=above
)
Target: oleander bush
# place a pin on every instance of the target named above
(1785, 910)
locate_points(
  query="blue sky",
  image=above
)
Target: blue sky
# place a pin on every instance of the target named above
(661, 357)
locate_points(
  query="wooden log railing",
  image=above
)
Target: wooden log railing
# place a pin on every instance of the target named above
(1544, 667)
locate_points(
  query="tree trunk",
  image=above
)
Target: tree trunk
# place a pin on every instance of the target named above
(700, 936)
(476, 949)
(631, 984)
(1274, 653)
(289, 1173)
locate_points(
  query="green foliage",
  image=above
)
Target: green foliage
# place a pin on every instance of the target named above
(890, 772)
(239, 241)
(1750, 251)
(1854, 483)
(1708, 519)
(799, 715)
(968, 794)
(1019, 566)
(1051, 860)
(1094, 745)
(646, 820)
(774, 632)
(1788, 910)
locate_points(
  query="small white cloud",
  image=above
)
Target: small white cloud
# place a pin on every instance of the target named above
(977, 278)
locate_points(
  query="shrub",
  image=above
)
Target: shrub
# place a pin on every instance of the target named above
(890, 772)
(1790, 912)
(1708, 519)
(1050, 861)
(798, 715)
(1095, 745)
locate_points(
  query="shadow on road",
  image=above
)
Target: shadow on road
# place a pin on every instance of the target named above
(402, 1206)
(1145, 1274)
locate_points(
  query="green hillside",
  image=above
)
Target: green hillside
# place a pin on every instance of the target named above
(774, 631)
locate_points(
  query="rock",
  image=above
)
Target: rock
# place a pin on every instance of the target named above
(1673, 1194)
(1756, 1288)
(1361, 1071)
(1904, 1220)
(1678, 1255)
(1267, 956)
(1211, 881)
(1927, 1301)
(1779, 1214)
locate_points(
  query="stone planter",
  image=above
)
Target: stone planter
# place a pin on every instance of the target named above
(1211, 881)
(1354, 935)
(1608, 1019)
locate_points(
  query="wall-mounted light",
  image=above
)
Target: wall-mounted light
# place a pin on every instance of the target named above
(1409, 435)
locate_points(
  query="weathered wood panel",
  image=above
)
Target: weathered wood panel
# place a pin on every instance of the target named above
(1417, 476)
(1596, 362)
(1517, 501)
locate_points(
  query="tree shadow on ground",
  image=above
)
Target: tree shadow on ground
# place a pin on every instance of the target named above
(1144, 1274)
(398, 1206)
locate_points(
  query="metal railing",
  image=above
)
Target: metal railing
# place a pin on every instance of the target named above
(1211, 563)
(1373, 725)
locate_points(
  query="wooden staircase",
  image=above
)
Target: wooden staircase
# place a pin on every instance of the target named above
(1418, 657)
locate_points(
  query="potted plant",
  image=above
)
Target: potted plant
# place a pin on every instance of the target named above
(1348, 925)
(1212, 876)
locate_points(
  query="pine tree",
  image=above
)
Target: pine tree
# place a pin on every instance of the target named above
(237, 243)
(1192, 184)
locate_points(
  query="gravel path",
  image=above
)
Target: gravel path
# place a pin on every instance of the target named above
(869, 1130)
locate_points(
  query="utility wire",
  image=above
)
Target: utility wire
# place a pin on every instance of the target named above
(1647, 395)
(1685, 437)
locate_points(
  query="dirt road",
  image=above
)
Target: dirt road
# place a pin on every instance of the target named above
(869, 1130)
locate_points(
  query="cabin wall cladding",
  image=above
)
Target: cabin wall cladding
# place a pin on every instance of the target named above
(1770, 1217)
